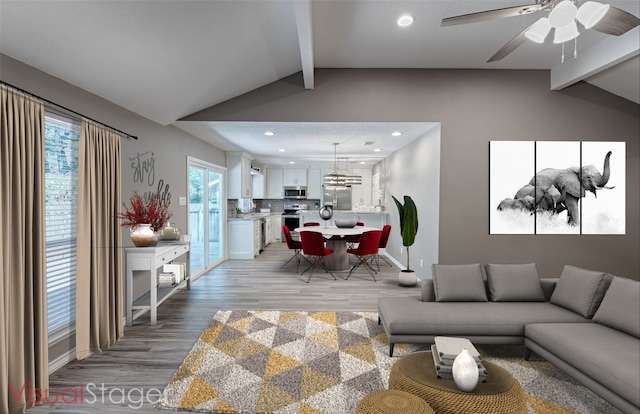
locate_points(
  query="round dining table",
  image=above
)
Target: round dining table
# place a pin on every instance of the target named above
(339, 259)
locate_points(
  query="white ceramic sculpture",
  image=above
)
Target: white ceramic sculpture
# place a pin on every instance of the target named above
(465, 371)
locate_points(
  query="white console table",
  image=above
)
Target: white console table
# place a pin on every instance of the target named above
(150, 259)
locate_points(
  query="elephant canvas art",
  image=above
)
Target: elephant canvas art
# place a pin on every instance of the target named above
(557, 187)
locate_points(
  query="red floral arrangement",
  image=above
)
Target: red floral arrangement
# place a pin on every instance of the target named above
(151, 212)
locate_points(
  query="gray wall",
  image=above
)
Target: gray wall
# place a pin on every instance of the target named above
(473, 107)
(414, 170)
(170, 145)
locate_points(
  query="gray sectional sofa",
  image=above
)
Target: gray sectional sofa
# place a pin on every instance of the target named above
(587, 323)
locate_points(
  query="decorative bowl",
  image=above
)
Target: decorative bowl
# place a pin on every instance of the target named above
(345, 224)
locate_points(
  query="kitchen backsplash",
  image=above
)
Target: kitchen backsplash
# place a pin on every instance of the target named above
(276, 205)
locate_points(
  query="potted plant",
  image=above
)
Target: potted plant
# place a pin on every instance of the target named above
(408, 229)
(239, 213)
(144, 218)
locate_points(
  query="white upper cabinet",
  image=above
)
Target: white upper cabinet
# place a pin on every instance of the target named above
(314, 183)
(258, 186)
(295, 177)
(238, 175)
(361, 194)
(275, 183)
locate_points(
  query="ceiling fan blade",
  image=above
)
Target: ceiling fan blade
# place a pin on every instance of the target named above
(490, 15)
(616, 22)
(510, 46)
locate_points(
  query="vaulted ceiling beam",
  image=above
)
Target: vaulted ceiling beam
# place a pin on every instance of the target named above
(305, 39)
(597, 58)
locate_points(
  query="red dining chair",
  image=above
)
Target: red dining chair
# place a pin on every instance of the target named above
(367, 248)
(313, 246)
(294, 245)
(352, 240)
(311, 223)
(384, 239)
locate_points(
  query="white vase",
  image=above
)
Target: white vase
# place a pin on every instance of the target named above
(407, 278)
(142, 235)
(465, 371)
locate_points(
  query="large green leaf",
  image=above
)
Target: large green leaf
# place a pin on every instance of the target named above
(408, 220)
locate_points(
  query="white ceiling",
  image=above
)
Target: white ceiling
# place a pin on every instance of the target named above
(166, 60)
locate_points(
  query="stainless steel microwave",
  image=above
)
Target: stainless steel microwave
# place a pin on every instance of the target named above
(295, 192)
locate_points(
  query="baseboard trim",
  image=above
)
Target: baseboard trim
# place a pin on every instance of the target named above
(62, 360)
(397, 263)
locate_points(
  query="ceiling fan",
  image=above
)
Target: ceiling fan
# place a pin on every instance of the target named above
(562, 16)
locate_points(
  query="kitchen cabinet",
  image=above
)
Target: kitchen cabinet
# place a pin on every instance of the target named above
(268, 225)
(257, 187)
(275, 183)
(277, 228)
(314, 184)
(257, 237)
(295, 177)
(242, 238)
(239, 179)
(362, 194)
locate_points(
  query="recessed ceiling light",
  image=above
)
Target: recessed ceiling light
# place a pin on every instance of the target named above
(377, 150)
(292, 162)
(405, 20)
(396, 134)
(269, 133)
(282, 150)
(362, 162)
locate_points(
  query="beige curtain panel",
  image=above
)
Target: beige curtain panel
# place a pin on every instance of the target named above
(99, 281)
(24, 355)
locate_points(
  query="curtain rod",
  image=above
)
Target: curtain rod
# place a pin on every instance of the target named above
(68, 110)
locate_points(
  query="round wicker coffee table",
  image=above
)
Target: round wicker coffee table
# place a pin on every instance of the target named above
(393, 402)
(500, 394)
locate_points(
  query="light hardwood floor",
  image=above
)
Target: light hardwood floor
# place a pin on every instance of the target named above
(141, 364)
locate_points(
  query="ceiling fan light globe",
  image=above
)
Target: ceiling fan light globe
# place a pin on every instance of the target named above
(563, 14)
(566, 33)
(591, 12)
(539, 30)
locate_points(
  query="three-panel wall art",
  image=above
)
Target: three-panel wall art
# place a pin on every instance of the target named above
(556, 187)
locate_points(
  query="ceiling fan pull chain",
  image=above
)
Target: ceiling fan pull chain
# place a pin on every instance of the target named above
(562, 59)
(575, 49)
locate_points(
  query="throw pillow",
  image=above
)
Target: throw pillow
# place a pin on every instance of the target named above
(579, 290)
(458, 283)
(620, 308)
(514, 283)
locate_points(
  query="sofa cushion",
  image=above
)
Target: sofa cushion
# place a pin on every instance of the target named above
(459, 283)
(411, 316)
(514, 283)
(580, 290)
(620, 308)
(607, 355)
(427, 293)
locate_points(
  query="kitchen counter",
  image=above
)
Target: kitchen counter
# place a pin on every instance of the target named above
(377, 220)
(256, 216)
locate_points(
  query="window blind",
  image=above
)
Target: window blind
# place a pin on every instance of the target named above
(62, 137)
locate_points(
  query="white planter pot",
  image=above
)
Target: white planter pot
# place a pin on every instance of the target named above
(407, 278)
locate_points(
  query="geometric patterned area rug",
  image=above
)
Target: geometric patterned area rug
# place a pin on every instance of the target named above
(286, 362)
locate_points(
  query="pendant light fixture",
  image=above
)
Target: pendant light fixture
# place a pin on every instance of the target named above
(336, 178)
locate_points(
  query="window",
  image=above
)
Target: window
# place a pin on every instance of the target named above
(62, 137)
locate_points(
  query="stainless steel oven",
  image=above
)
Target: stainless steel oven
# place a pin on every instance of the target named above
(290, 216)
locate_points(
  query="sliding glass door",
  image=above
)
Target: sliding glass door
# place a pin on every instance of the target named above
(206, 214)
